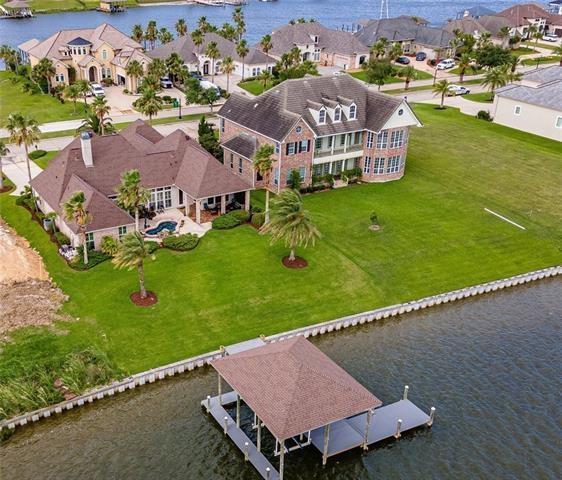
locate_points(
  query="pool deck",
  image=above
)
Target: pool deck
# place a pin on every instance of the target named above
(175, 215)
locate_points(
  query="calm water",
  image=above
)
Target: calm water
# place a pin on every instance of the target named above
(490, 365)
(260, 17)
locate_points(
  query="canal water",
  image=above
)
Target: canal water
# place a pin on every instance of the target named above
(491, 365)
(261, 17)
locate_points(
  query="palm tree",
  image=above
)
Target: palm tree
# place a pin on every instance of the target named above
(131, 195)
(465, 62)
(157, 68)
(165, 36)
(532, 31)
(266, 46)
(4, 150)
(137, 34)
(134, 70)
(23, 131)
(212, 51)
(264, 77)
(379, 47)
(83, 88)
(291, 223)
(151, 33)
(242, 50)
(100, 109)
(238, 17)
(149, 103)
(197, 37)
(72, 93)
(181, 27)
(150, 82)
(262, 163)
(174, 65)
(227, 31)
(203, 24)
(131, 254)
(44, 70)
(227, 68)
(498, 77)
(503, 33)
(92, 124)
(408, 73)
(395, 52)
(558, 51)
(441, 88)
(74, 210)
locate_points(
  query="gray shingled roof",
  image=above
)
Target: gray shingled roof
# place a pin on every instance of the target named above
(403, 29)
(546, 91)
(242, 144)
(476, 11)
(276, 111)
(488, 23)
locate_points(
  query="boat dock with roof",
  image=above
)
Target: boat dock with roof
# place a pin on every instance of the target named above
(302, 398)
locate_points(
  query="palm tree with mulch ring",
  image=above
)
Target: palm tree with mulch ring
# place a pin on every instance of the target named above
(262, 163)
(23, 131)
(132, 254)
(291, 223)
(441, 88)
(75, 210)
(131, 195)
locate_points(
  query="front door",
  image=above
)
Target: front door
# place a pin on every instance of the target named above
(206, 68)
(92, 74)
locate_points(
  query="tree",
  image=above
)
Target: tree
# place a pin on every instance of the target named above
(207, 138)
(149, 103)
(74, 210)
(503, 33)
(532, 31)
(228, 68)
(92, 124)
(465, 63)
(150, 82)
(131, 195)
(441, 88)
(394, 52)
(498, 77)
(262, 163)
(151, 33)
(377, 71)
(44, 70)
(264, 77)
(197, 37)
(242, 50)
(408, 73)
(537, 36)
(10, 57)
(266, 46)
(165, 36)
(100, 109)
(193, 90)
(4, 150)
(492, 56)
(212, 51)
(238, 18)
(203, 25)
(209, 96)
(157, 68)
(132, 254)
(174, 65)
(72, 93)
(134, 70)
(181, 27)
(227, 31)
(23, 131)
(295, 180)
(379, 48)
(291, 223)
(137, 33)
(83, 87)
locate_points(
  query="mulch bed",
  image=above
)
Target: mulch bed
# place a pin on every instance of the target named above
(150, 299)
(297, 263)
(5, 188)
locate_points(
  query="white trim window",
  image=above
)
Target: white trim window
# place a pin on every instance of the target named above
(370, 138)
(122, 231)
(352, 111)
(517, 110)
(321, 116)
(240, 166)
(393, 165)
(367, 165)
(397, 139)
(378, 168)
(90, 242)
(337, 114)
(221, 124)
(558, 123)
(160, 197)
(59, 77)
(231, 161)
(104, 54)
(276, 176)
(277, 147)
(382, 139)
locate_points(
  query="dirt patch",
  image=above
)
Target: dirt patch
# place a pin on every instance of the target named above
(150, 299)
(297, 263)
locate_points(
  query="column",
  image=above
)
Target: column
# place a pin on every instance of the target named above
(282, 460)
(258, 446)
(223, 204)
(187, 207)
(238, 410)
(367, 426)
(247, 200)
(198, 211)
(220, 389)
(326, 441)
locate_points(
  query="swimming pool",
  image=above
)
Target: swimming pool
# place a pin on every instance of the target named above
(167, 225)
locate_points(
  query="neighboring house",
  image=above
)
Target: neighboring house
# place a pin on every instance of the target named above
(320, 45)
(475, 12)
(492, 24)
(318, 126)
(555, 7)
(410, 34)
(178, 172)
(522, 16)
(91, 54)
(195, 59)
(534, 104)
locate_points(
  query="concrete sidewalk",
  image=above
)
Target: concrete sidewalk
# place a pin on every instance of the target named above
(15, 168)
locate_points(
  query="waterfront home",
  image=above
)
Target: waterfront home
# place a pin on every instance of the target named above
(521, 17)
(477, 26)
(195, 59)
(320, 45)
(410, 34)
(555, 7)
(475, 12)
(179, 173)
(92, 54)
(318, 126)
(533, 104)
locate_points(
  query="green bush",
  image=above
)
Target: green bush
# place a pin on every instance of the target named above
(94, 258)
(151, 246)
(109, 245)
(25, 201)
(258, 219)
(256, 209)
(484, 115)
(181, 243)
(241, 215)
(226, 221)
(61, 238)
(374, 218)
(37, 154)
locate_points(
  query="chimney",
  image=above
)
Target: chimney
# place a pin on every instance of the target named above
(86, 142)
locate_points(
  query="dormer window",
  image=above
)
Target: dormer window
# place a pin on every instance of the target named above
(322, 117)
(337, 114)
(352, 112)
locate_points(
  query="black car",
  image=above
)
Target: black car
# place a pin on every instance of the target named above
(421, 56)
(403, 60)
(196, 75)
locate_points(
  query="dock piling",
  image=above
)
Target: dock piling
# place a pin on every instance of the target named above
(398, 427)
(246, 451)
(238, 411)
(208, 403)
(225, 425)
(431, 417)
(406, 389)
(367, 426)
(258, 446)
(267, 472)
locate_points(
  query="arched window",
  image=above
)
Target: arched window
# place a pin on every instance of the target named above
(337, 114)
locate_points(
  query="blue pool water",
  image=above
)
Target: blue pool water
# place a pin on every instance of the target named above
(162, 226)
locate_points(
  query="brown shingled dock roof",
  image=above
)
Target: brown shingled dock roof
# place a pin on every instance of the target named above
(293, 387)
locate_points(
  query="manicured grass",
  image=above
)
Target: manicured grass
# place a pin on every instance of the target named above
(518, 52)
(68, 5)
(420, 75)
(43, 161)
(468, 72)
(427, 87)
(44, 108)
(547, 46)
(483, 97)
(255, 87)
(436, 237)
(542, 60)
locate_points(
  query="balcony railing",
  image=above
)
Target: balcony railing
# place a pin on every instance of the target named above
(338, 151)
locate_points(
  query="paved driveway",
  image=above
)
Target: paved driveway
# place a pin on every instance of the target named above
(122, 103)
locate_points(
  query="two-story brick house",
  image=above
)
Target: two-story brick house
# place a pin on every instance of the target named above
(317, 126)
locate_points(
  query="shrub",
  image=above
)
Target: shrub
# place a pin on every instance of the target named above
(374, 218)
(258, 219)
(256, 209)
(37, 154)
(25, 201)
(125, 91)
(226, 221)
(241, 215)
(94, 258)
(109, 245)
(151, 246)
(61, 238)
(484, 115)
(188, 241)
(167, 99)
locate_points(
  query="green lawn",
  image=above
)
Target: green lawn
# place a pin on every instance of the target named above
(420, 75)
(255, 87)
(43, 161)
(44, 108)
(483, 97)
(436, 237)
(68, 5)
(468, 72)
(427, 87)
(547, 46)
(542, 60)
(518, 52)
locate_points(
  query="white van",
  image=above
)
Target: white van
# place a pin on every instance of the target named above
(446, 64)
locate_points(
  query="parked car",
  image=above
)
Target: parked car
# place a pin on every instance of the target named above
(205, 84)
(403, 60)
(97, 90)
(196, 75)
(458, 90)
(421, 56)
(550, 37)
(165, 82)
(446, 64)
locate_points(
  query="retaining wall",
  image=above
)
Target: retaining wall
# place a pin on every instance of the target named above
(189, 364)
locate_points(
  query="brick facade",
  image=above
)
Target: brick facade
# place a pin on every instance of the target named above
(381, 157)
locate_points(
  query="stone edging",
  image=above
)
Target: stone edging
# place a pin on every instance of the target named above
(150, 376)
